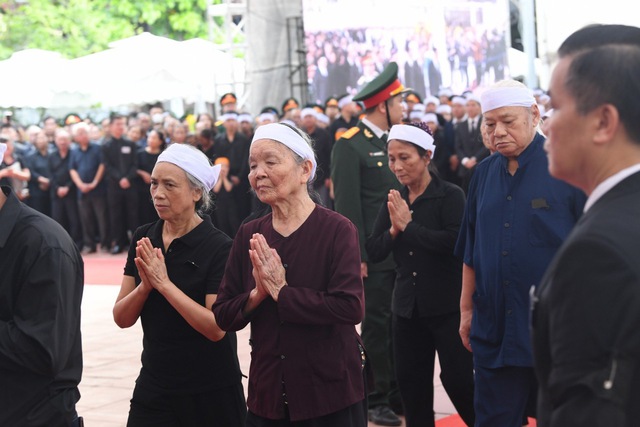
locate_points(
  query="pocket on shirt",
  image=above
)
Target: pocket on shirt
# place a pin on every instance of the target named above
(548, 227)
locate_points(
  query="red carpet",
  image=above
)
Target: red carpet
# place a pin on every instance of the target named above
(455, 421)
(104, 269)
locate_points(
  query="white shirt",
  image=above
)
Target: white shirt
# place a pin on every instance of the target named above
(375, 129)
(606, 185)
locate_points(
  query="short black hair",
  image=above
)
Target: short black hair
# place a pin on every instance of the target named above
(593, 36)
(608, 74)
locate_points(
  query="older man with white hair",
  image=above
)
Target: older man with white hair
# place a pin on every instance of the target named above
(516, 217)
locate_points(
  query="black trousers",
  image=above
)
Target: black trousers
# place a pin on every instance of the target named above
(416, 342)
(376, 336)
(123, 212)
(65, 211)
(95, 220)
(224, 407)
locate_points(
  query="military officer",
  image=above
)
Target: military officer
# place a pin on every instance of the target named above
(362, 180)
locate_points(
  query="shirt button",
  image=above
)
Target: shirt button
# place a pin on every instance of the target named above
(282, 356)
(285, 265)
(509, 312)
(508, 197)
(506, 225)
(411, 253)
(415, 274)
(505, 253)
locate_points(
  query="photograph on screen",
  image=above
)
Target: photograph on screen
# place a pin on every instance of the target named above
(456, 45)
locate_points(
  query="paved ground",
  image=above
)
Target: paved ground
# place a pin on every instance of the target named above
(112, 355)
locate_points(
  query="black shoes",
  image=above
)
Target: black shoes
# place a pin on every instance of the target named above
(116, 250)
(384, 416)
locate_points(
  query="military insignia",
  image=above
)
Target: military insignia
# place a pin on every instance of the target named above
(348, 134)
(368, 133)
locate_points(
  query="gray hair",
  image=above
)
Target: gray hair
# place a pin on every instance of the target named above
(206, 201)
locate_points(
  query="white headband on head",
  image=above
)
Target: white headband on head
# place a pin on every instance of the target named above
(498, 97)
(308, 112)
(228, 116)
(267, 116)
(430, 117)
(444, 109)
(432, 100)
(416, 114)
(285, 135)
(458, 100)
(344, 101)
(3, 148)
(414, 135)
(245, 118)
(193, 161)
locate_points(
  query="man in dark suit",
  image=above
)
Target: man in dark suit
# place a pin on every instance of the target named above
(361, 181)
(468, 142)
(121, 165)
(586, 310)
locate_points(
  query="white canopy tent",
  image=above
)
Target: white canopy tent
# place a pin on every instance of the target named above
(136, 70)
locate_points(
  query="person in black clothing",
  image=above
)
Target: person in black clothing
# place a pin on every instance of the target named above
(64, 207)
(41, 283)
(234, 146)
(322, 145)
(206, 142)
(147, 158)
(347, 119)
(225, 212)
(37, 164)
(190, 372)
(121, 165)
(419, 224)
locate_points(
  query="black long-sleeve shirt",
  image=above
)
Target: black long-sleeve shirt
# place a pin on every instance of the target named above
(120, 159)
(41, 283)
(429, 275)
(59, 168)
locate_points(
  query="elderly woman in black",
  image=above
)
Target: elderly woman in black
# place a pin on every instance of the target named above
(420, 224)
(190, 374)
(294, 274)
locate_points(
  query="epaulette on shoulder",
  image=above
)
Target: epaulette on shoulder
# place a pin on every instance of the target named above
(348, 134)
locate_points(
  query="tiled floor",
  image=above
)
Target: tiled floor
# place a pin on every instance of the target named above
(112, 357)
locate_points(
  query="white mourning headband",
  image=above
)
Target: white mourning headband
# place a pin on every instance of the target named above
(193, 161)
(414, 135)
(3, 148)
(498, 97)
(285, 135)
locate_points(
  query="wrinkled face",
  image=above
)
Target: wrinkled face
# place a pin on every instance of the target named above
(309, 123)
(511, 129)
(81, 136)
(567, 131)
(172, 195)
(405, 162)
(274, 174)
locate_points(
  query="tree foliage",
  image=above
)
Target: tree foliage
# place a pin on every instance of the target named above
(79, 27)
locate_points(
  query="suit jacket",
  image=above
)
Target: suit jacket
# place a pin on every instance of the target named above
(469, 144)
(362, 180)
(585, 318)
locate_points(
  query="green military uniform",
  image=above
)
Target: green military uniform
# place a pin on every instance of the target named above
(362, 180)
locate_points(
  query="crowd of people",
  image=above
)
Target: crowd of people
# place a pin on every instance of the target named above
(448, 226)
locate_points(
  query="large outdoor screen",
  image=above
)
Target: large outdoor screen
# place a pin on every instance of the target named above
(459, 45)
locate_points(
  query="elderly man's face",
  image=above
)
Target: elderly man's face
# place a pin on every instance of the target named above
(511, 129)
(567, 131)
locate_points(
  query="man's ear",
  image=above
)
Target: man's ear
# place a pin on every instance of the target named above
(607, 122)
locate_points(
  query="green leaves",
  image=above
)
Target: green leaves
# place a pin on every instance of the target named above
(80, 27)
